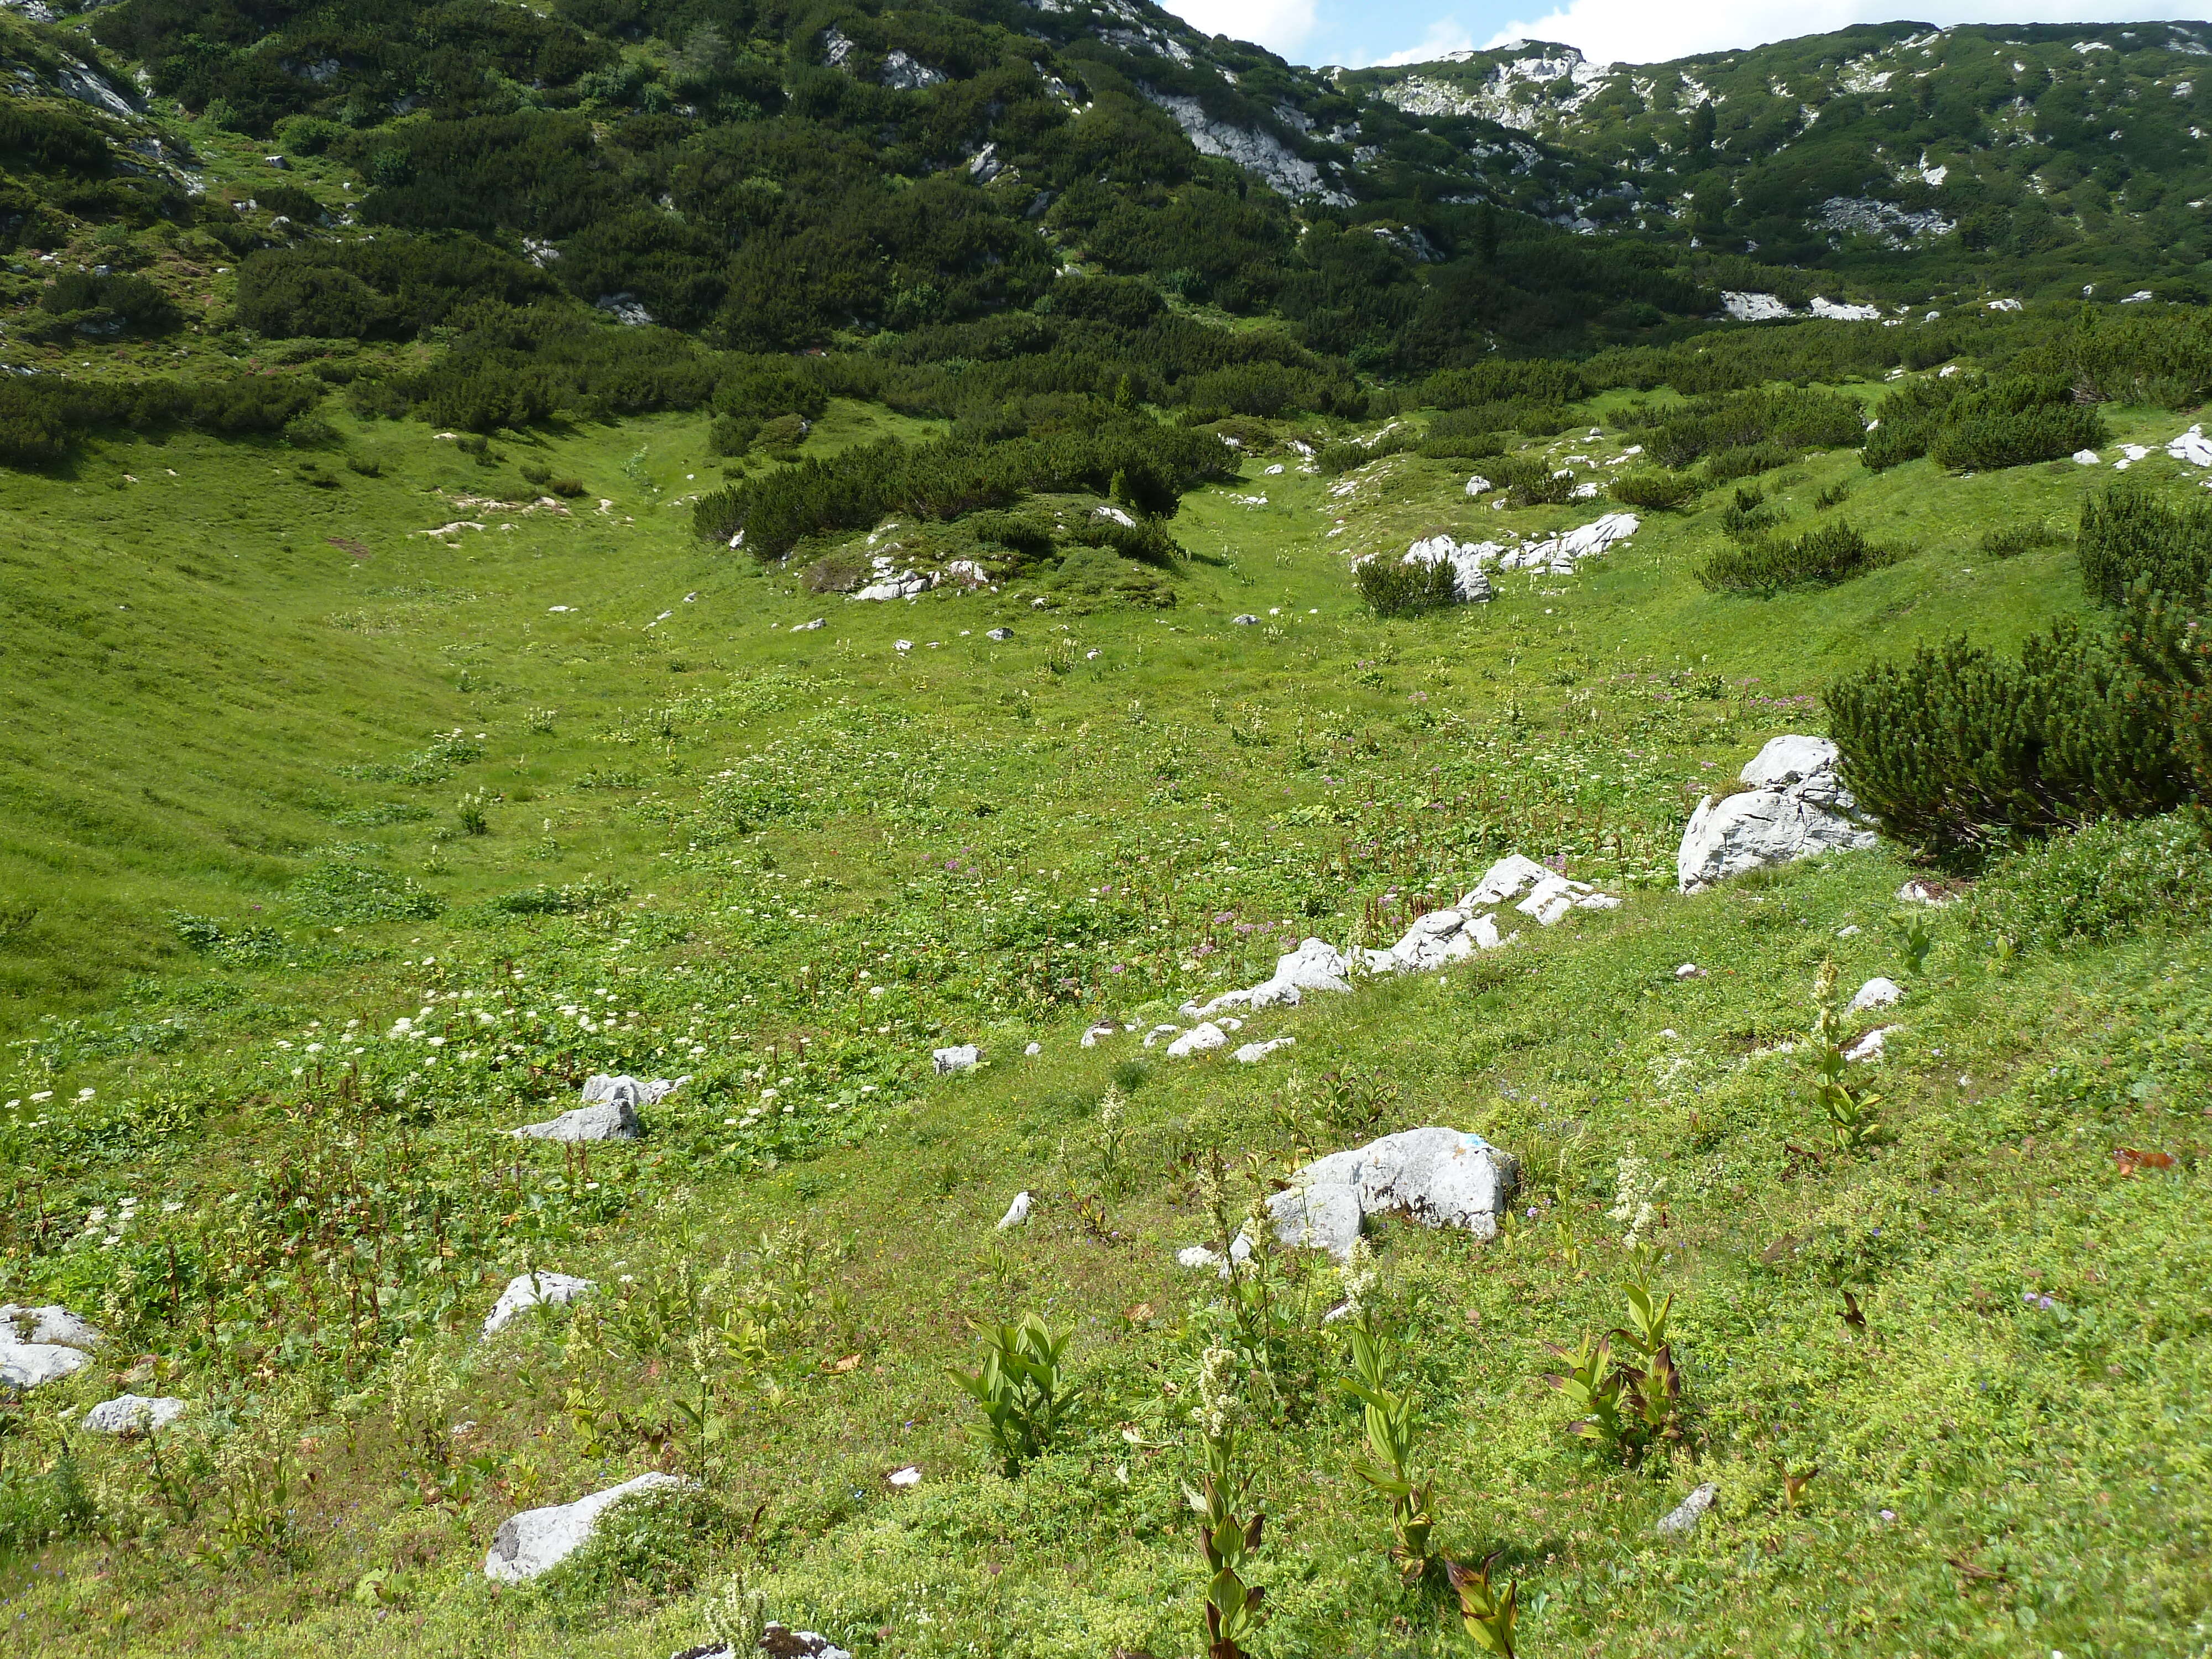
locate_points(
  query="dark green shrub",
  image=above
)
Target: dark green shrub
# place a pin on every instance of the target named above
(102, 304)
(1348, 452)
(1981, 437)
(1474, 446)
(2010, 541)
(1147, 541)
(2106, 880)
(779, 438)
(1958, 751)
(732, 434)
(1748, 461)
(2128, 537)
(1822, 557)
(1542, 380)
(1391, 587)
(1779, 421)
(1653, 491)
(1030, 537)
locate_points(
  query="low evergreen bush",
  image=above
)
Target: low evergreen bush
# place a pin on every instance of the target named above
(2128, 536)
(1820, 557)
(1392, 588)
(1653, 491)
(1959, 753)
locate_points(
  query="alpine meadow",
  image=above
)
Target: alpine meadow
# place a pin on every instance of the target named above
(870, 830)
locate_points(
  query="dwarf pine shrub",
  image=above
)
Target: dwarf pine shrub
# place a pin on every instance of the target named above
(2128, 537)
(1822, 557)
(1393, 588)
(1958, 751)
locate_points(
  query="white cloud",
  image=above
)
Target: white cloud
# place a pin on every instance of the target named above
(1281, 26)
(1639, 32)
(1444, 35)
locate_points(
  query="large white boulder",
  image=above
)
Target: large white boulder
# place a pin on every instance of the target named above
(1201, 1039)
(1439, 1177)
(962, 1057)
(526, 1291)
(1795, 807)
(538, 1540)
(42, 1345)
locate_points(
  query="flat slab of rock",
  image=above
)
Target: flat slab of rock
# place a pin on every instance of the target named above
(538, 1540)
(966, 1057)
(1201, 1039)
(49, 1324)
(615, 1121)
(1253, 1053)
(43, 1344)
(1440, 1178)
(527, 1290)
(1795, 807)
(133, 1414)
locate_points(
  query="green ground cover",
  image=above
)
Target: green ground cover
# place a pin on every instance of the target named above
(256, 721)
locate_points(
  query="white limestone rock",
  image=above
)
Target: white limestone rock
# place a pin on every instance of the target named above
(1796, 808)
(964, 1057)
(1282, 169)
(1560, 554)
(527, 1290)
(1755, 308)
(133, 1414)
(1439, 1177)
(1470, 579)
(43, 1344)
(1253, 1053)
(609, 1111)
(1201, 1039)
(1017, 1213)
(1877, 993)
(536, 1540)
(1683, 1519)
(781, 1642)
(1872, 1045)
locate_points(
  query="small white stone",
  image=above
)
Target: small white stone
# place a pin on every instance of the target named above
(1017, 1212)
(1876, 993)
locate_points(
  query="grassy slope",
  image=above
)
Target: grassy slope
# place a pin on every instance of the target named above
(2059, 1450)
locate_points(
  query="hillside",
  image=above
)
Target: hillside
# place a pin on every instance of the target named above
(852, 595)
(2030, 159)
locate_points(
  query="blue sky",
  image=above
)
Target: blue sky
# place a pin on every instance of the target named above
(1361, 32)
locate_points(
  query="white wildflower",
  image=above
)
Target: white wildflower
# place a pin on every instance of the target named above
(1635, 1190)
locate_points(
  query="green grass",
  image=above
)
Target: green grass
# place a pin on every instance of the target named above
(803, 859)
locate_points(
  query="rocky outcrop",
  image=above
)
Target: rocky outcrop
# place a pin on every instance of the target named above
(1793, 806)
(1445, 936)
(1560, 554)
(1756, 307)
(1316, 965)
(538, 1540)
(1281, 168)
